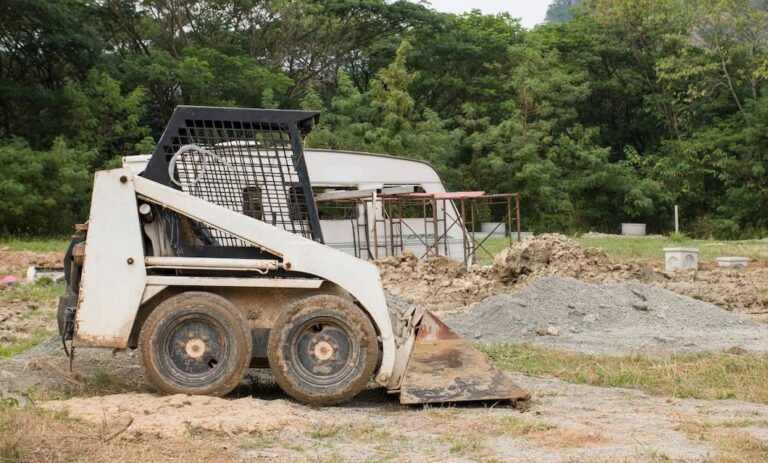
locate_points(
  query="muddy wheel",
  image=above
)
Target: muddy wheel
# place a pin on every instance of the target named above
(195, 343)
(322, 350)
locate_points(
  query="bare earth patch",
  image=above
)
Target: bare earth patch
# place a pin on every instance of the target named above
(173, 416)
(105, 410)
(446, 286)
(565, 422)
(17, 262)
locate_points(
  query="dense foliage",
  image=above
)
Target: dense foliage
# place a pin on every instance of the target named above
(611, 112)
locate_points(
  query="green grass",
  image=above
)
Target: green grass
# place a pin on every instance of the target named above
(35, 299)
(39, 292)
(651, 248)
(35, 244)
(15, 345)
(702, 376)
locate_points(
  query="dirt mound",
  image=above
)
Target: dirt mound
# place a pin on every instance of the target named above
(180, 414)
(553, 254)
(17, 262)
(739, 290)
(439, 284)
(608, 319)
(443, 285)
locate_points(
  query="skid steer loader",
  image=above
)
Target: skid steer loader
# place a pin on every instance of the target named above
(211, 261)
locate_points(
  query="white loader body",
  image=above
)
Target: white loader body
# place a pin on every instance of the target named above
(115, 260)
(209, 259)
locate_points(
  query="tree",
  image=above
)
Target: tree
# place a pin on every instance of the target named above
(559, 11)
(385, 120)
(42, 44)
(43, 193)
(616, 114)
(103, 118)
(462, 59)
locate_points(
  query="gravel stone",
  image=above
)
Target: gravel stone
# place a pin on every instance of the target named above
(553, 330)
(613, 325)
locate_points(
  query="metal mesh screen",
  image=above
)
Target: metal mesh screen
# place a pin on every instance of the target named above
(253, 172)
(247, 160)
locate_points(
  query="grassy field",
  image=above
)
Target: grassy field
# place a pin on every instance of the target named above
(651, 248)
(35, 244)
(700, 376)
(620, 248)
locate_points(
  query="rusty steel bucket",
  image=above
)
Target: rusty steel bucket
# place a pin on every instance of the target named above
(444, 368)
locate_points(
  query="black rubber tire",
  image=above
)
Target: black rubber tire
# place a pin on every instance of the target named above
(217, 351)
(350, 335)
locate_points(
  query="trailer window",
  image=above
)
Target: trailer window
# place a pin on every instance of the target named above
(252, 205)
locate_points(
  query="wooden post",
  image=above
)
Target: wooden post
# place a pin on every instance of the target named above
(677, 219)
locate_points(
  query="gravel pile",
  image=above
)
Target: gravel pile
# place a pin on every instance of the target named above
(397, 308)
(608, 319)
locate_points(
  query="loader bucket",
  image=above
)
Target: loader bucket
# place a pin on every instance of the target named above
(444, 368)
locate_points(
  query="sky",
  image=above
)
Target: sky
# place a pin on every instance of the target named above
(530, 11)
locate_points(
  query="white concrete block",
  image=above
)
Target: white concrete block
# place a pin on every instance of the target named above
(732, 261)
(681, 258)
(633, 229)
(493, 228)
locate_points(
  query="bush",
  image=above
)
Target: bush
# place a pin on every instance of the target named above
(42, 193)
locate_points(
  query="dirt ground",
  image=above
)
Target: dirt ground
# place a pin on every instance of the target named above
(17, 262)
(563, 422)
(445, 286)
(25, 310)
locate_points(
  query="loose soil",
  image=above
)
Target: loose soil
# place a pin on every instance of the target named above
(17, 262)
(564, 422)
(439, 284)
(446, 286)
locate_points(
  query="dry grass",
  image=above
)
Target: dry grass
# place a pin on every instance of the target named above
(730, 446)
(32, 435)
(700, 376)
(547, 434)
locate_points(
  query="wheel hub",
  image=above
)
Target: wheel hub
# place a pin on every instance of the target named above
(324, 351)
(195, 348)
